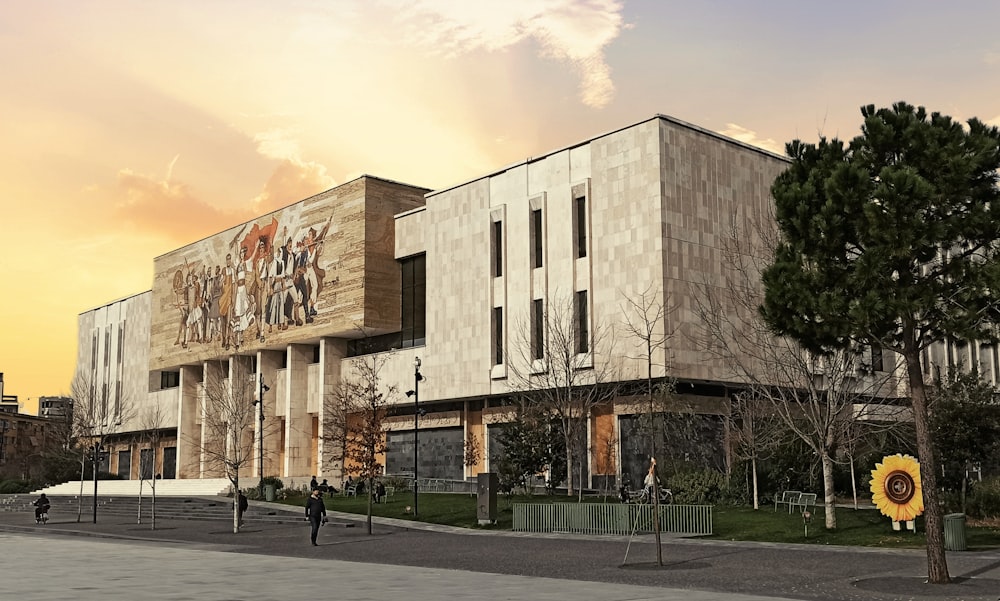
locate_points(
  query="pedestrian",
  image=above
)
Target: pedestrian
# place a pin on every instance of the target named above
(313, 485)
(315, 513)
(242, 504)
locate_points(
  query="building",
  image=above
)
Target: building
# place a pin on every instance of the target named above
(456, 281)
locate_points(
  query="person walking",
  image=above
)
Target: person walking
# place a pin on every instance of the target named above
(242, 504)
(315, 513)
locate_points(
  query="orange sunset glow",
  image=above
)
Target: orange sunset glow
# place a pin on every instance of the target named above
(130, 129)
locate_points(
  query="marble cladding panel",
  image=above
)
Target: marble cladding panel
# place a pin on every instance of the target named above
(411, 231)
(119, 335)
(709, 184)
(459, 297)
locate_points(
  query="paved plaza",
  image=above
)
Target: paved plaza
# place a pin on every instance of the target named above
(204, 560)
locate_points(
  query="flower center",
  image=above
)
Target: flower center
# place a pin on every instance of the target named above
(899, 487)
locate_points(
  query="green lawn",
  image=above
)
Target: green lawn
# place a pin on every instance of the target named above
(866, 527)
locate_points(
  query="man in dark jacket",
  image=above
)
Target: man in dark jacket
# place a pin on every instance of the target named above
(315, 513)
(41, 507)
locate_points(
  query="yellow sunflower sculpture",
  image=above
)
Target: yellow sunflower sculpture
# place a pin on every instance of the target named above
(896, 487)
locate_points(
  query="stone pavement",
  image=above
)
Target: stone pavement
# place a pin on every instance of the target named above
(204, 560)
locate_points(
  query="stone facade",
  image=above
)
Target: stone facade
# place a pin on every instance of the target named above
(646, 209)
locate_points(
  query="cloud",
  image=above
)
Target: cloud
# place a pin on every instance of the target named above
(571, 31)
(293, 179)
(992, 58)
(290, 182)
(748, 136)
(169, 208)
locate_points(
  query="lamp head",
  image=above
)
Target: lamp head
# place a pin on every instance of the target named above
(416, 362)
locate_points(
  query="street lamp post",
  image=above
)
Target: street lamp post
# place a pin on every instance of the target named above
(415, 393)
(97, 457)
(260, 434)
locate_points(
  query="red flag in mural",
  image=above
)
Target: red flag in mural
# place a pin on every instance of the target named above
(260, 239)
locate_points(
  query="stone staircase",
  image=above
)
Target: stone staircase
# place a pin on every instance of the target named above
(189, 487)
(167, 508)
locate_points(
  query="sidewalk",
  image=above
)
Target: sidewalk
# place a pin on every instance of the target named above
(426, 561)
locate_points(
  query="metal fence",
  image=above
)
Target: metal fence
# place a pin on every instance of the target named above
(611, 518)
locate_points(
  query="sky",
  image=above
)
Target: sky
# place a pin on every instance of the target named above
(129, 129)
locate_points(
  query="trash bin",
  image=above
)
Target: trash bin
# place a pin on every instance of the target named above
(269, 492)
(954, 532)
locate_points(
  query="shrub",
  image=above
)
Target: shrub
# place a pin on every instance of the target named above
(699, 487)
(8, 487)
(273, 480)
(984, 499)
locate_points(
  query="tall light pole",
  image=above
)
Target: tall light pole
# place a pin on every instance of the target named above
(415, 393)
(262, 388)
(98, 445)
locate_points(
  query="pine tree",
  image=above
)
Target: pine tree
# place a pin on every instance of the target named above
(891, 240)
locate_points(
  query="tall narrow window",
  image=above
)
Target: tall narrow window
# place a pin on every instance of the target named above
(496, 248)
(414, 302)
(536, 238)
(580, 221)
(497, 335)
(582, 329)
(877, 359)
(537, 330)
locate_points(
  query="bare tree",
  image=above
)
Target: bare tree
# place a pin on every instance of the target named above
(226, 443)
(560, 363)
(646, 322)
(337, 407)
(98, 411)
(754, 432)
(816, 396)
(151, 423)
(365, 398)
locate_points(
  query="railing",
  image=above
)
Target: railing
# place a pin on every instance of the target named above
(611, 518)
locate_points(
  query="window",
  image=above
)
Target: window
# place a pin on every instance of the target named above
(582, 329)
(536, 238)
(877, 358)
(497, 331)
(580, 225)
(496, 248)
(124, 464)
(537, 330)
(170, 379)
(146, 464)
(414, 289)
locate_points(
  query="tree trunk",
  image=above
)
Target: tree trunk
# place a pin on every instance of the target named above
(236, 504)
(854, 484)
(656, 514)
(937, 564)
(756, 489)
(569, 467)
(368, 491)
(829, 498)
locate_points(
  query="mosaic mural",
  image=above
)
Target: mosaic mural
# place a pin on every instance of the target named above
(293, 275)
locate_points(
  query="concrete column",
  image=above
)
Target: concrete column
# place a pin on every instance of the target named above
(188, 423)
(214, 372)
(268, 364)
(298, 422)
(331, 352)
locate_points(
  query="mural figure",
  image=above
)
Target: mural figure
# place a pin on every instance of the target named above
(226, 300)
(242, 310)
(267, 282)
(179, 285)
